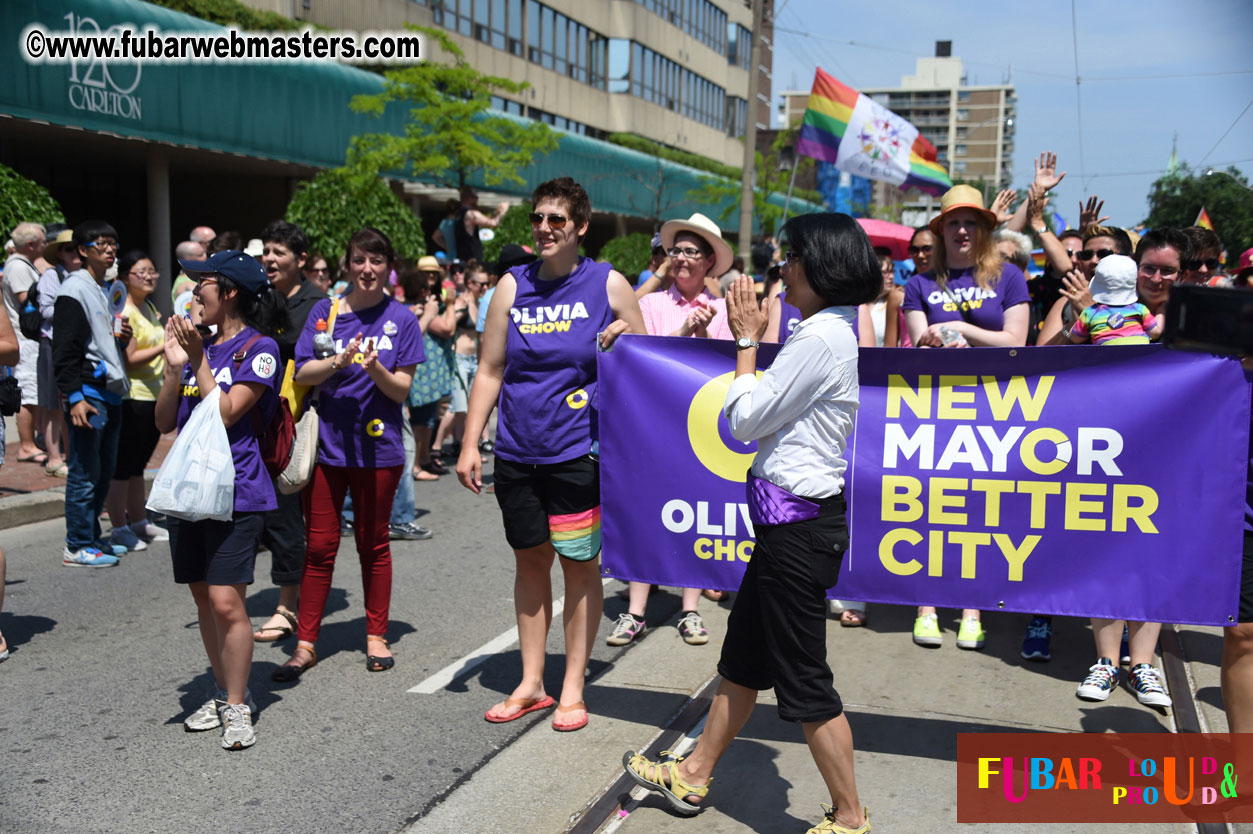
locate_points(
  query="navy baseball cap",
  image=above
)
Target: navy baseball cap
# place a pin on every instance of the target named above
(243, 269)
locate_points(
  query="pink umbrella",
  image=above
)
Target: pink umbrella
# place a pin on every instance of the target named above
(892, 235)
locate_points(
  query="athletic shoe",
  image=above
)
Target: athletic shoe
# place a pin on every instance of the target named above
(971, 634)
(1124, 651)
(150, 532)
(345, 527)
(207, 718)
(237, 731)
(87, 557)
(627, 629)
(1148, 686)
(125, 537)
(108, 547)
(829, 826)
(409, 532)
(927, 631)
(692, 627)
(1036, 644)
(1101, 680)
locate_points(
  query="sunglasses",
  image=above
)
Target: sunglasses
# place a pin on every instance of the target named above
(1168, 272)
(916, 250)
(1194, 264)
(1087, 254)
(555, 221)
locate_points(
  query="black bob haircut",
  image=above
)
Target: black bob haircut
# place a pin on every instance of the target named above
(288, 234)
(839, 261)
(87, 232)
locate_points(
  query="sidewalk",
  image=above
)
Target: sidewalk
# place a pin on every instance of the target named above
(906, 706)
(28, 495)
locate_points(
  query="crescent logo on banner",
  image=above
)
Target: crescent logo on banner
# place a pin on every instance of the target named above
(577, 399)
(704, 418)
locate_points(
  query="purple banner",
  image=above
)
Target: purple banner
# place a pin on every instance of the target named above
(1085, 481)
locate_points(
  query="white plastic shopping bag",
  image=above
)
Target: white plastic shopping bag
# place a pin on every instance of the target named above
(197, 479)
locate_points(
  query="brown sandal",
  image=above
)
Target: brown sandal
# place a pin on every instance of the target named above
(279, 632)
(289, 672)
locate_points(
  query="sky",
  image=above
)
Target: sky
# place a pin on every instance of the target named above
(1122, 141)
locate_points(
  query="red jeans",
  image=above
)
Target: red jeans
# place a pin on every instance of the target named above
(372, 493)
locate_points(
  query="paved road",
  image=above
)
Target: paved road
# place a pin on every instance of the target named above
(106, 663)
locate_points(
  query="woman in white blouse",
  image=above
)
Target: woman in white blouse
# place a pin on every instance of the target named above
(800, 412)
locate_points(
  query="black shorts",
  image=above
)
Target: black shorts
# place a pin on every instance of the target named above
(777, 632)
(1246, 581)
(138, 440)
(551, 501)
(217, 552)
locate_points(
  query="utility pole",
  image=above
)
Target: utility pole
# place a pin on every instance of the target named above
(750, 138)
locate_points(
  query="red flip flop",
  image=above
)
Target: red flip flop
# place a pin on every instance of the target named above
(570, 728)
(528, 705)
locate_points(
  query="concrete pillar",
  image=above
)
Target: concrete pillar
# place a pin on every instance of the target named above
(160, 246)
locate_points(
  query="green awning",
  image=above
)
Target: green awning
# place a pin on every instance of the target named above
(293, 112)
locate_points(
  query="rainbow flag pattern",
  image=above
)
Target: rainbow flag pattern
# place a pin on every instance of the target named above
(857, 134)
(576, 535)
(1202, 220)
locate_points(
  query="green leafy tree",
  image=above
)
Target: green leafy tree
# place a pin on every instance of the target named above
(450, 134)
(629, 254)
(1177, 199)
(336, 203)
(514, 227)
(723, 195)
(23, 200)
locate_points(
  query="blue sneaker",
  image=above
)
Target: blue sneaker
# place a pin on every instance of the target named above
(1037, 643)
(87, 557)
(108, 547)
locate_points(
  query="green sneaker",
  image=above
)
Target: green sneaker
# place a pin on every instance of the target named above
(927, 631)
(971, 634)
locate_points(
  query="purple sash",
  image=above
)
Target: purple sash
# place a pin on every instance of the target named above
(770, 503)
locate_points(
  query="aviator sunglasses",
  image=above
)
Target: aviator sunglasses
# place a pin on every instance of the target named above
(555, 221)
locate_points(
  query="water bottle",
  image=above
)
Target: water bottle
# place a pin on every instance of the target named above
(949, 336)
(323, 342)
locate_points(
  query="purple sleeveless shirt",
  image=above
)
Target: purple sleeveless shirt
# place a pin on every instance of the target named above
(789, 317)
(548, 394)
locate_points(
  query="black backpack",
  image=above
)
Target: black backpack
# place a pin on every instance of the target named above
(29, 320)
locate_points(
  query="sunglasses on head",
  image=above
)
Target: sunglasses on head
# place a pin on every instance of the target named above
(915, 250)
(555, 221)
(1196, 263)
(1087, 254)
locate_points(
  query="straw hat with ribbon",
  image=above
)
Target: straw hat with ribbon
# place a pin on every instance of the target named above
(701, 226)
(63, 237)
(959, 197)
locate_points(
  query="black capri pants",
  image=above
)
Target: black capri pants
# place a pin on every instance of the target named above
(138, 440)
(777, 632)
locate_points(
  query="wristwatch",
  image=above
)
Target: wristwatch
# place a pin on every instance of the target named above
(1041, 230)
(744, 342)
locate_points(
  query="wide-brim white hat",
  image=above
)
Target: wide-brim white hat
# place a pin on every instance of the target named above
(700, 225)
(1115, 281)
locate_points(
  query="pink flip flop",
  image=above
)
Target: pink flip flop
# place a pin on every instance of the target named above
(528, 705)
(569, 728)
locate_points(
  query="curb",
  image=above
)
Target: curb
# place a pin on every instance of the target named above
(43, 505)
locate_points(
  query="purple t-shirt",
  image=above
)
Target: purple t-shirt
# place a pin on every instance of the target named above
(986, 308)
(254, 491)
(789, 317)
(359, 425)
(548, 395)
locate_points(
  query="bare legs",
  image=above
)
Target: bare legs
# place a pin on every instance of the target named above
(967, 613)
(637, 595)
(52, 424)
(1142, 636)
(533, 603)
(26, 420)
(125, 501)
(227, 635)
(1237, 675)
(830, 743)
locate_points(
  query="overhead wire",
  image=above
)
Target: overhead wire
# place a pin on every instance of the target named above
(1074, 35)
(1225, 132)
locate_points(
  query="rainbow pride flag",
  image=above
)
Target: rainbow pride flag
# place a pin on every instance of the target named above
(1202, 220)
(861, 136)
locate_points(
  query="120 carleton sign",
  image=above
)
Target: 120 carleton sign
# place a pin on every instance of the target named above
(92, 86)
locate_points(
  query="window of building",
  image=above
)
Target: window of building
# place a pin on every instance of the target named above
(963, 95)
(546, 37)
(959, 167)
(961, 132)
(562, 43)
(619, 65)
(959, 150)
(963, 114)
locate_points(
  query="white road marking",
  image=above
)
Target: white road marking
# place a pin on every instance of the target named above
(457, 668)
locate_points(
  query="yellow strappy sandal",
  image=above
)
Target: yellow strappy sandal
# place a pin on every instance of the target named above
(653, 776)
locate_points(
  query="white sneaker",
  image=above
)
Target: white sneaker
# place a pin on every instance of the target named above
(1101, 680)
(237, 731)
(150, 532)
(125, 537)
(207, 718)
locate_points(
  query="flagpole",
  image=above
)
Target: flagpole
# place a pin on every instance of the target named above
(788, 201)
(750, 139)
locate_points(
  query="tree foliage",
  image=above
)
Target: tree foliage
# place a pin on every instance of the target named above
(514, 227)
(629, 254)
(724, 195)
(23, 200)
(450, 135)
(1177, 199)
(231, 13)
(336, 203)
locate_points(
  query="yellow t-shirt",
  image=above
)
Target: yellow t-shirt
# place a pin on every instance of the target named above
(146, 379)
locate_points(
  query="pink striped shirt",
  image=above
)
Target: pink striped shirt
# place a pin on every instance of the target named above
(665, 312)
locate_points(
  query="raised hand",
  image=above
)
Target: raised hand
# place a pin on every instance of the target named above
(1037, 197)
(744, 315)
(175, 356)
(1075, 289)
(187, 337)
(1046, 175)
(1089, 214)
(1003, 204)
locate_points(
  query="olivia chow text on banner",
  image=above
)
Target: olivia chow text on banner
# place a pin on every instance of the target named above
(1031, 480)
